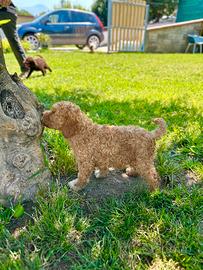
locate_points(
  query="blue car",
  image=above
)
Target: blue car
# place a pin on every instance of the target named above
(65, 27)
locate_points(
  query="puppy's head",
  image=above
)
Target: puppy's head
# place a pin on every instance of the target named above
(29, 62)
(63, 116)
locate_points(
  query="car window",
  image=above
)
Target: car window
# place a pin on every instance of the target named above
(64, 16)
(82, 17)
(59, 17)
(53, 18)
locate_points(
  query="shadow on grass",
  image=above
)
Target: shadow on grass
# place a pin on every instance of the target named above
(125, 231)
(126, 112)
(133, 229)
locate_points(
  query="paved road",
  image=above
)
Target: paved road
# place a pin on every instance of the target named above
(71, 49)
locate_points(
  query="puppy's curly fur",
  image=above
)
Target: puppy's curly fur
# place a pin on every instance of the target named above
(102, 146)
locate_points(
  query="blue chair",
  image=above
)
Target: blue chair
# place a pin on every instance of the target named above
(194, 40)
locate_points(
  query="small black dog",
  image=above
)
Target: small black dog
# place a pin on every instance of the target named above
(92, 48)
(36, 64)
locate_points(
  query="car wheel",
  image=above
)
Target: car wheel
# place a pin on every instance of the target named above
(93, 41)
(81, 47)
(33, 41)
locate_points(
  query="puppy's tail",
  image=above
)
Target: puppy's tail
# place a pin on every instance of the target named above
(161, 130)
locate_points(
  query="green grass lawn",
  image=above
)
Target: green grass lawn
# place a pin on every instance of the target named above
(140, 230)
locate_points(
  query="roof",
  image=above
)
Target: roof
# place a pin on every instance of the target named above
(73, 9)
(168, 25)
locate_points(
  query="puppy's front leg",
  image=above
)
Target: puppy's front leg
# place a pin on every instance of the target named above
(101, 172)
(85, 170)
(29, 74)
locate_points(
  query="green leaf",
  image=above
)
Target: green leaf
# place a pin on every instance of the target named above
(18, 211)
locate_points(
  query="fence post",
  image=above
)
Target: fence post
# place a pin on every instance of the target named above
(109, 23)
(145, 26)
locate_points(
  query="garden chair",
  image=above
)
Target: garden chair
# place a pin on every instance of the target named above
(194, 40)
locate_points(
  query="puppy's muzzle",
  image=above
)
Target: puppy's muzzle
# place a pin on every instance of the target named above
(46, 118)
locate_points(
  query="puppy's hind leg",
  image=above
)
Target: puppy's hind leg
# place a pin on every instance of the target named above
(85, 171)
(101, 172)
(149, 173)
(43, 71)
(47, 67)
(130, 171)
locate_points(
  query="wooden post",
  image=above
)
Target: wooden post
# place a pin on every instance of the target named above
(21, 160)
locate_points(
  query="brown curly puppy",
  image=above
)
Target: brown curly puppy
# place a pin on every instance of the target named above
(37, 63)
(102, 146)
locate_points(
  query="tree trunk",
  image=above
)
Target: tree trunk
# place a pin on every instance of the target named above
(22, 168)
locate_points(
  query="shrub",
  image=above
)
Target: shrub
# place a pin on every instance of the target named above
(25, 45)
(44, 40)
(7, 48)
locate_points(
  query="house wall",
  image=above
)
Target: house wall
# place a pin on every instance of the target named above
(171, 38)
(22, 19)
(189, 10)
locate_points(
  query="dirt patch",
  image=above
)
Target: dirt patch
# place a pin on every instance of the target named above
(116, 184)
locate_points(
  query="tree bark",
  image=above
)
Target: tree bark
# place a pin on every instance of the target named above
(22, 167)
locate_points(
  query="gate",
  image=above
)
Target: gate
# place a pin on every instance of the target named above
(127, 23)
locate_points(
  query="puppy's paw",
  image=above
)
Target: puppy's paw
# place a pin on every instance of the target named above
(73, 185)
(130, 172)
(97, 173)
(100, 174)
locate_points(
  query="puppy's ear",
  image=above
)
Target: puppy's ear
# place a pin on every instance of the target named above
(70, 129)
(71, 121)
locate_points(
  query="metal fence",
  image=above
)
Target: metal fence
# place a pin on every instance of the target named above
(127, 23)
